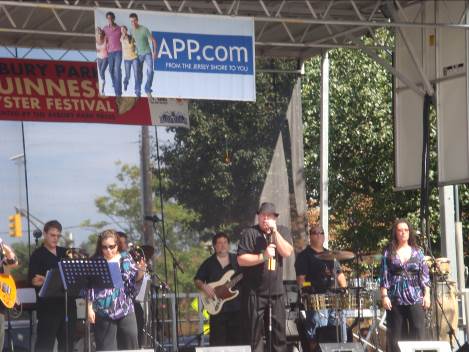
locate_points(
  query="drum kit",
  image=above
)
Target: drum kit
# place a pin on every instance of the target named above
(358, 295)
(358, 300)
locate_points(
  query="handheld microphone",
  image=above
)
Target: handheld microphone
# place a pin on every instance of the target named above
(272, 262)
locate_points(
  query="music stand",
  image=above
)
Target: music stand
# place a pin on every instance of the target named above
(79, 274)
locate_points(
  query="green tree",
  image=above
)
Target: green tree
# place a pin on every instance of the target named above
(20, 273)
(219, 165)
(361, 176)
(122, 205)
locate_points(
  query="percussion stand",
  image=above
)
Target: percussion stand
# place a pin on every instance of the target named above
(154, 287)
(451, 332)
(338, 312)
(357, 296)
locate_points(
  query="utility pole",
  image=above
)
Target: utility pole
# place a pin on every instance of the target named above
(147, 198)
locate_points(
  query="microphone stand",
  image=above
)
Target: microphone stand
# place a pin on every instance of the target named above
(155, 287)
(437, 273)
(269, 302)
(451, 332)
(176, 266)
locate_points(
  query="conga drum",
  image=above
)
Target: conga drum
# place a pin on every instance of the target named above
(446, 295)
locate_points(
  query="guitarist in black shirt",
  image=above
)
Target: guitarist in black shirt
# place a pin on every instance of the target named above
(225, 325)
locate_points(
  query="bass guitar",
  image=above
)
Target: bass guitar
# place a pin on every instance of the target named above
(223, 291)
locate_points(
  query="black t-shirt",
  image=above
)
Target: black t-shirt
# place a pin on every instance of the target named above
(42, 260)
(258, 279)
(316, 271)
(211, 271)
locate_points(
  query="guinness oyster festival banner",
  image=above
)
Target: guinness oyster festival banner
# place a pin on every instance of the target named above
(66, 91)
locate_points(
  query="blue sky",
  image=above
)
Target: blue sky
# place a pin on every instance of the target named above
(69, 165)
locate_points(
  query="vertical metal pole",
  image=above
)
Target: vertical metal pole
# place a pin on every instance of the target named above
(147, 206)
(25, 181)
(163, 229)
(459, 225)
(448, 246)
(324, 148)
(174, 327)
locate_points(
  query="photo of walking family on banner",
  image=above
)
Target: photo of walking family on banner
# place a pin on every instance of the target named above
(183, 56)
(116, 45)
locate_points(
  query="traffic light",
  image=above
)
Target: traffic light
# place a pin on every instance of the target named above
(15, 225)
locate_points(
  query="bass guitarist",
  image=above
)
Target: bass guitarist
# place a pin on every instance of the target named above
(226, 325)
(8, 261)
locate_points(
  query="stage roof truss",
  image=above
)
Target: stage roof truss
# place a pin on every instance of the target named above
(284, 28)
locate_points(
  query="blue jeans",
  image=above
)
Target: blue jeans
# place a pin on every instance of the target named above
(318, 319)
(102, 66)
(148, 59)
(128, 65)
(115, 61)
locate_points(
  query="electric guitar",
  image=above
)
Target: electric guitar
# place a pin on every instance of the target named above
(7, 290)
(223, 291)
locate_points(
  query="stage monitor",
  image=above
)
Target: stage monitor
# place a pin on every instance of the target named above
(424, 346)
(342, 347)
(224, 349)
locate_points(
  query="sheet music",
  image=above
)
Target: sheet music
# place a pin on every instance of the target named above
(52, 285)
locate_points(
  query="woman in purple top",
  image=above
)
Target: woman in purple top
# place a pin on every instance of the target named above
(112, 309)
(405, 286)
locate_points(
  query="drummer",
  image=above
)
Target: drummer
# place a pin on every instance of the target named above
(316, 276)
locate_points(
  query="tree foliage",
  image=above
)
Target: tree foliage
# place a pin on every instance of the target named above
(219, 165)
(122, 205)
(361, 175)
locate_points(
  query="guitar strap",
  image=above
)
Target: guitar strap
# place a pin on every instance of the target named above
(233, 262)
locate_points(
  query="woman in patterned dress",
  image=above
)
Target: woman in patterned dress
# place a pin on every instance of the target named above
(112, 309)
(405, 286)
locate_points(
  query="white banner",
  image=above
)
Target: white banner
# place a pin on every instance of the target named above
(141, 53)
(169, 112)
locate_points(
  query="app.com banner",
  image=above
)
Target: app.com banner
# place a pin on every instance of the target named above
(169, 55)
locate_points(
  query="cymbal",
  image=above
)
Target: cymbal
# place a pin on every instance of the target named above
(339, 255)
(370, 258)
(148, 250)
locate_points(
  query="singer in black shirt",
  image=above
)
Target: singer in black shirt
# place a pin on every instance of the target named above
(261, 251)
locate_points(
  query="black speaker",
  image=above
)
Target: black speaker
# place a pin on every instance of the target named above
(329, 334)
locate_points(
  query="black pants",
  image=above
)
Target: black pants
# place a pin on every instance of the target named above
(51, 325)
(116, 334)
(225, 329)
(404, 323)
(254, 310)
(139, 316)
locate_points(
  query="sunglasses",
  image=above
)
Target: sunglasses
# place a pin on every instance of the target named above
(317, 233)
(111, 247)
